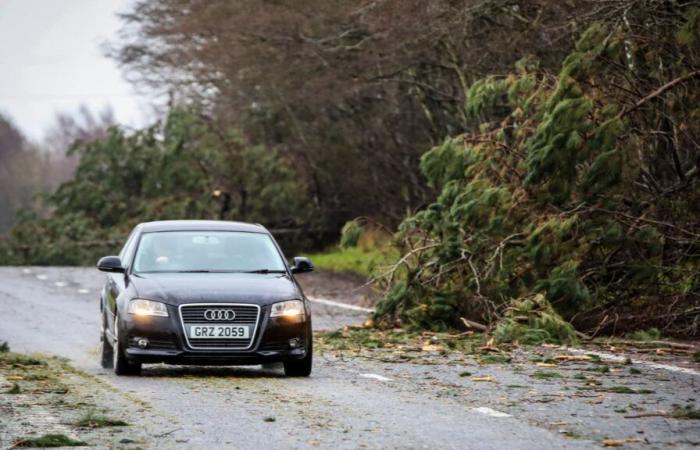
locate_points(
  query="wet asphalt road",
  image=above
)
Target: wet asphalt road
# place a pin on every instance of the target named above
(348, 402)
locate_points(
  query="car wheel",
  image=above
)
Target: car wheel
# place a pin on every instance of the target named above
(122, 366)
(106, 349)
(301, 367)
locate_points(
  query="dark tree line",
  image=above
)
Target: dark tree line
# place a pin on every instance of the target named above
(351, 92)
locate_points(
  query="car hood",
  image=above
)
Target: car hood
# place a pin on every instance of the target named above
(178, 288)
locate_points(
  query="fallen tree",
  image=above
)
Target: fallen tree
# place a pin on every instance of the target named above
(580, 186)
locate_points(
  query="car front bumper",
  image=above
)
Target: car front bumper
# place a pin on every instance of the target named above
(276, 339)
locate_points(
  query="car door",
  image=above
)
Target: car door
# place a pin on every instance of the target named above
(117, 282)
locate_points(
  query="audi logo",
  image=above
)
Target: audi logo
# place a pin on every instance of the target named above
(219, 314)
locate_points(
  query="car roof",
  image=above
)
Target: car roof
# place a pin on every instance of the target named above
(200, 225)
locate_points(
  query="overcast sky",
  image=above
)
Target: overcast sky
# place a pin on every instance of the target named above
(50, 60)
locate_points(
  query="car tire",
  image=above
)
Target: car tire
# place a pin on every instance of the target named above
(106, 349)
(122, 366)
(301, 367)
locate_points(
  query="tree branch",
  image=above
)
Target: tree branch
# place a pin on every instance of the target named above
(660, 91)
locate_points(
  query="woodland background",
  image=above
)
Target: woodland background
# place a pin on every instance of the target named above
(536, 162)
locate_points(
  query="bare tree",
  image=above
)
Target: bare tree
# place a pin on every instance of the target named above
(352, 92)
(71, 129)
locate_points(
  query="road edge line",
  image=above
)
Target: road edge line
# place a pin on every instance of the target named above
(485, 410)
(327, 302)
(617, 358)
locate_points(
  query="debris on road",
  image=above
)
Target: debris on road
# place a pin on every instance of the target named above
(53, 404)
(619, 442)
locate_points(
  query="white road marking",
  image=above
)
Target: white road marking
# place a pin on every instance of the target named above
(616, 358)
(60, 283)
(374, 376)
(83, 291)
(26, 271)
(324, 301)
(42, 277)
(490, 412)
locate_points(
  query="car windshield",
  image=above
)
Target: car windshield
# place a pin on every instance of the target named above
(207, 251)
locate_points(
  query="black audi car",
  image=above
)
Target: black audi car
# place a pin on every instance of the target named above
(207, 293)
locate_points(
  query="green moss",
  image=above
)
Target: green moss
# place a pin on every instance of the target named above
(594, 358)
(546, 375)
(627, 390)
(494, 359)
(15, 389)
(49, 440)
(18, 359)
(687, 412)
(92, 419)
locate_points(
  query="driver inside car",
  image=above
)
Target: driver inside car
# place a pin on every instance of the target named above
(162, 252)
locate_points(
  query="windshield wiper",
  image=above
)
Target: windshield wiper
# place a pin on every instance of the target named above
(266, 271)
(193, 271)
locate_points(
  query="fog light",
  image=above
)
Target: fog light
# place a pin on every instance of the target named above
(294, 343)
(143, 342)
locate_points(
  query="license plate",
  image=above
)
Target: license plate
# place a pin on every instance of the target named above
(219, 331)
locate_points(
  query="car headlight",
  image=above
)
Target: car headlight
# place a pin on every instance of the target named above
(289, 308)
(141, 307)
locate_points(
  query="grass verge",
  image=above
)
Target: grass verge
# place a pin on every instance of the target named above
(357, 260)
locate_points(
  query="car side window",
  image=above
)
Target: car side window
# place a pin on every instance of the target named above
(128, 248)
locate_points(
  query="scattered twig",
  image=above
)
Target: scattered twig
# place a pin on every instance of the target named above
(167, 433)
(471, 324)
(654, 414)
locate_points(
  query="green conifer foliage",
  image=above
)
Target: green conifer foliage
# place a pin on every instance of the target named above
(171, 170)
(574, 200)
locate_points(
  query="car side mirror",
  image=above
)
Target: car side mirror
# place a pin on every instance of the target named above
(302, 264)
(110, 264)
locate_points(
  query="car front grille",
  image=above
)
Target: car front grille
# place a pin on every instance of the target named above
(245, 315)
(275, 346)
(162, 344)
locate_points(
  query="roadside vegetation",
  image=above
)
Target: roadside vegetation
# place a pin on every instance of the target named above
(354, 260)
(365, 248)
(37, 387)
(566, 206)
(545, 192)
